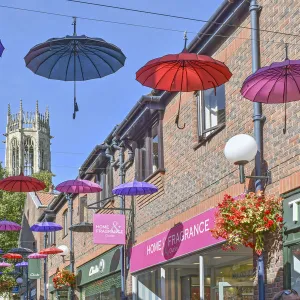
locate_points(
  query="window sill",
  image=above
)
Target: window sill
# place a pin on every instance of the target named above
(161, 170)
(203, 140)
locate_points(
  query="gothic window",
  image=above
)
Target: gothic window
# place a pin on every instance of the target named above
(28, 156)
(15, 157)
(42, 156)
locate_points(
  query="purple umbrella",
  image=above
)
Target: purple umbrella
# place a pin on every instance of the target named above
(22, 264)
(4, 264)
(78, 187)
(46, 227)
(277, 83)
(1, 48)
(9, 226)
(135, 188)
(37, 256)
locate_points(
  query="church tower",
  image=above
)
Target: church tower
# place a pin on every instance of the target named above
(27, 142)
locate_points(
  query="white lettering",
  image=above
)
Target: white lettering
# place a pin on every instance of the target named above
(154, 247)
(206, 225)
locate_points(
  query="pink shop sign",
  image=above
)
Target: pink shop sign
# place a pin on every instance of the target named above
(184, 238)
(109, 229)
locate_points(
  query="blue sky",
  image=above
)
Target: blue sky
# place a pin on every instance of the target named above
(103, 103)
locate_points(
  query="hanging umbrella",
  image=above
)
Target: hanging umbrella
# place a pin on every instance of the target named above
(183, 72)
(51, 250)
(135, 188)
(9, 226)
(20, 250)
(1, 48)
(82, 227)
(37, 256)
(21, 183)
(274, 84)
(75, 58)
(78, 186)
(12, 256)
(46, 227)
(22, 264)
(4, 264)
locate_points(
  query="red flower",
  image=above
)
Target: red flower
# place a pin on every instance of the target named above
(267, 212)
(279, 219)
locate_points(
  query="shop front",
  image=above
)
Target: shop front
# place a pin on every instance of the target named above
(187, 263)
(291, 240)
(100, 278)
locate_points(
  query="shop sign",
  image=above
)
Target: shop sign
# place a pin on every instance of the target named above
(109, 229)
(34, 269)
(99, 267)
(15, 290)
(184, 238)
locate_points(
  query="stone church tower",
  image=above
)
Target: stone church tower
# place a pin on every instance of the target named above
(27, 142)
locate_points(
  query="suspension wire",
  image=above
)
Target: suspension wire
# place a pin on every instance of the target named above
(154, 27)
(175, 16)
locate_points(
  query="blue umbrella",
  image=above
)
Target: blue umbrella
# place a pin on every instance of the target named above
(135, 188)
(75, 58)
(1, 48)
(22, 264)
(46, 227)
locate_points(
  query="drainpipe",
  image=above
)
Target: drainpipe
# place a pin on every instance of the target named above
(70, 208)
(257, 119)
(121, 149)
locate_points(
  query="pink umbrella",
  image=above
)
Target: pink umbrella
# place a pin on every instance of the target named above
(9, 226)
(4, 264)
(78, 186)
(37, 256)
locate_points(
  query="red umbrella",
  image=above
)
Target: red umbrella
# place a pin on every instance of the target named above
(21, 183)
(12, 256)
(183, 72)
(51, 250)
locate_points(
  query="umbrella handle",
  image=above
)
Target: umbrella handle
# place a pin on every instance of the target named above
(177, 117)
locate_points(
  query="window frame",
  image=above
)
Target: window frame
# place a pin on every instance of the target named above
(51, 238)
(201, 131)
(83, 209)
(65, 223)
(145, 138)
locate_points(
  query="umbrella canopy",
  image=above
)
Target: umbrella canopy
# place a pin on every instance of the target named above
(51, 250)
(82, 227)
(1, 48)
(22, 264)
(183, 72)
(4, 264)
(20, 250)
(37, 256)
(78, 187)
(46, 227)
(9, 226)
(12, 256)
(75, 58)
(135, 188)
(21, 183)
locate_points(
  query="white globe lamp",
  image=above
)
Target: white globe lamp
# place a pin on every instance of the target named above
(19, 280)
(65, 250)
(240, 149)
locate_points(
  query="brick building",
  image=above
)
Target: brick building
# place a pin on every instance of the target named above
(192, 174)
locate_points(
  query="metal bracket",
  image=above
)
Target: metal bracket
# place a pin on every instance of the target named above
(90, 206)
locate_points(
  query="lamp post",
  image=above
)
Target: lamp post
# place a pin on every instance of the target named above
(240, 150)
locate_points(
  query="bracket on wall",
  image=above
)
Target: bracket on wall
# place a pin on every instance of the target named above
(90, 206)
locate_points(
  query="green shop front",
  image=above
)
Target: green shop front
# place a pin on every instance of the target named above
(291, 240)
(100, 278)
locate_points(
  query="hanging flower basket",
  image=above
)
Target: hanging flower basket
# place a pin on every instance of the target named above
(245, 221)
(64, 278)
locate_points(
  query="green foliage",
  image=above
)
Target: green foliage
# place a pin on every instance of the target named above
(46, 177)
(7, 281)
(11, 208)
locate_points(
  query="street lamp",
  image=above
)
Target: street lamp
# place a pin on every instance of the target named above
(19, 280)
(240, 150)
(65, 252)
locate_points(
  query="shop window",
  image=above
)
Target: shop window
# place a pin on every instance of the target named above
(105, 179)
(65, 223)
(149, 285)
(149, 152)
(210, 110)
(83, 209)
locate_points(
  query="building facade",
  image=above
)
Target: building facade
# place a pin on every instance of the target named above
(170, 254)
(27, 142)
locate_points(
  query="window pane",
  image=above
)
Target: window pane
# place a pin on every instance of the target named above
(155, 153)
(213, 107)
(295, 268)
